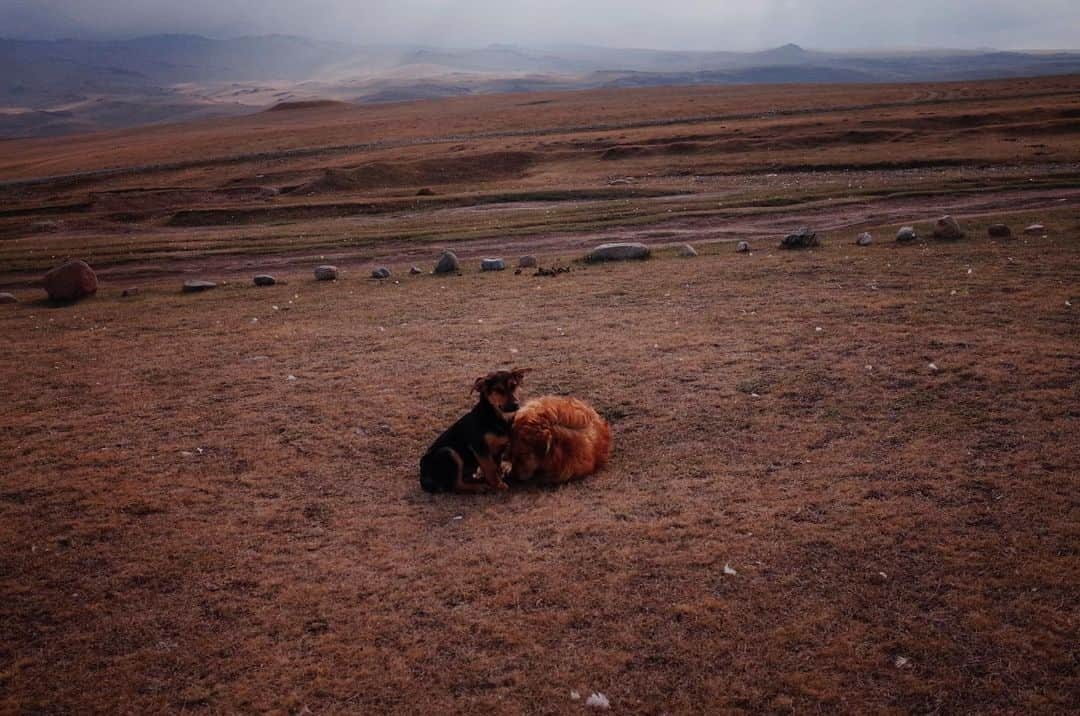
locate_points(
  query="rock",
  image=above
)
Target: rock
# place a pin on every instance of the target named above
(527, 262)
(326, 273)
(129, 292)
(425, 192)
(492, 265)
(742, 247)
(197, 286)
(598, 701)
(1035, 230)
(415, 270)
(948, 228)
(619, 252)
(71, 281)
(687, 251)
(906, 235)
(864, 239)
(8, 298)
(999, 231)
(804, 238)
(264, 280)
(448, 263)
(381, 272)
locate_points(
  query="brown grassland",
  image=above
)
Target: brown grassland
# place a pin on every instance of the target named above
(210, 503)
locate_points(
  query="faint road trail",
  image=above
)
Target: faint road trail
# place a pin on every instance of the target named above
(76, 177)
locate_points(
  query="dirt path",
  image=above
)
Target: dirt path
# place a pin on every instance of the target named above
(568, 245)
(306, 152)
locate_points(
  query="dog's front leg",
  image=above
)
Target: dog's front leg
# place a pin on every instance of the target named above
(492, 472)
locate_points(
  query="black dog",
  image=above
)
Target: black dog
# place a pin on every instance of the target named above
(477, 441)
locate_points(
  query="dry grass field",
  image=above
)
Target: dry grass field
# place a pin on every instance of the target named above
(844, 480)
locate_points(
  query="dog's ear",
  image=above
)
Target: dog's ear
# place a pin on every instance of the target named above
(478, 386)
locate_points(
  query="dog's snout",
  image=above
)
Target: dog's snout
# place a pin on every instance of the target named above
(512, 406)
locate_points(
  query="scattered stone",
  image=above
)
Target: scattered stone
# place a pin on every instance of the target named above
(448, 263)
(598, 701)
(528, 262)
(619, 252)
(743, 247)
(687, 251)
(492, 265)
(804, 238)
(425, 192)
(198, 286)
(555, 271)
(948, 229)
(999, 231)
(381, 272)
(1035, 230)
(326, 273)
(415, 271)
(729, 571)
(906, 235)
(71, 281)
(864, 239)
(129, 292)
(264, 280)
(8, 298)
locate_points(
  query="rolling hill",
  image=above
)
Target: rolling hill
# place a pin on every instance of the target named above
(66, 86)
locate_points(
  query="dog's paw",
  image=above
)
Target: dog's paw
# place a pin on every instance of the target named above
(502, 486)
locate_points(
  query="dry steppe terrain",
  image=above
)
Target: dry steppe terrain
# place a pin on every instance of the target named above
(844, 479)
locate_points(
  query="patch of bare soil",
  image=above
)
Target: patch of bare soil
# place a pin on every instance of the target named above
(480, 167)
(763, 229)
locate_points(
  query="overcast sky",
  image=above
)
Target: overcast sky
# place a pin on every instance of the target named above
(669, 24)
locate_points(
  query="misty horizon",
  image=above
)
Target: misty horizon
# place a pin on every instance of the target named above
(826, 25)
(883, 50)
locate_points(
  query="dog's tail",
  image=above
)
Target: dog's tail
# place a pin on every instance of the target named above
(437, 469)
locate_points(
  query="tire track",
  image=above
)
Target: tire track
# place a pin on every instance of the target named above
(60, 180)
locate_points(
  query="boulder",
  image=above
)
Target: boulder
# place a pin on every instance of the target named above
(999, 231)
(864, 239)
(906, 235)
(198, 286)
(687, 251)
(381, 272)
(492, 265)
(264, 280)
(8, 298)
(1035, 230)
(743, 247)
(130, 291)
(804, 238)
(425, 192)
(619, 252)
(527, 262)
(415, 270)
(70, 281)
(448, 263)
(948, 229)
(326, 273)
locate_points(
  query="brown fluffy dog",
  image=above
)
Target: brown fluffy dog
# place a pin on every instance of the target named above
(556, 440)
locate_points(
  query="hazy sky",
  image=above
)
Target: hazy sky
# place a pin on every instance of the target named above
(671, 24)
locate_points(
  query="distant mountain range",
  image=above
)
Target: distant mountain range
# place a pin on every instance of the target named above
(64, 86)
